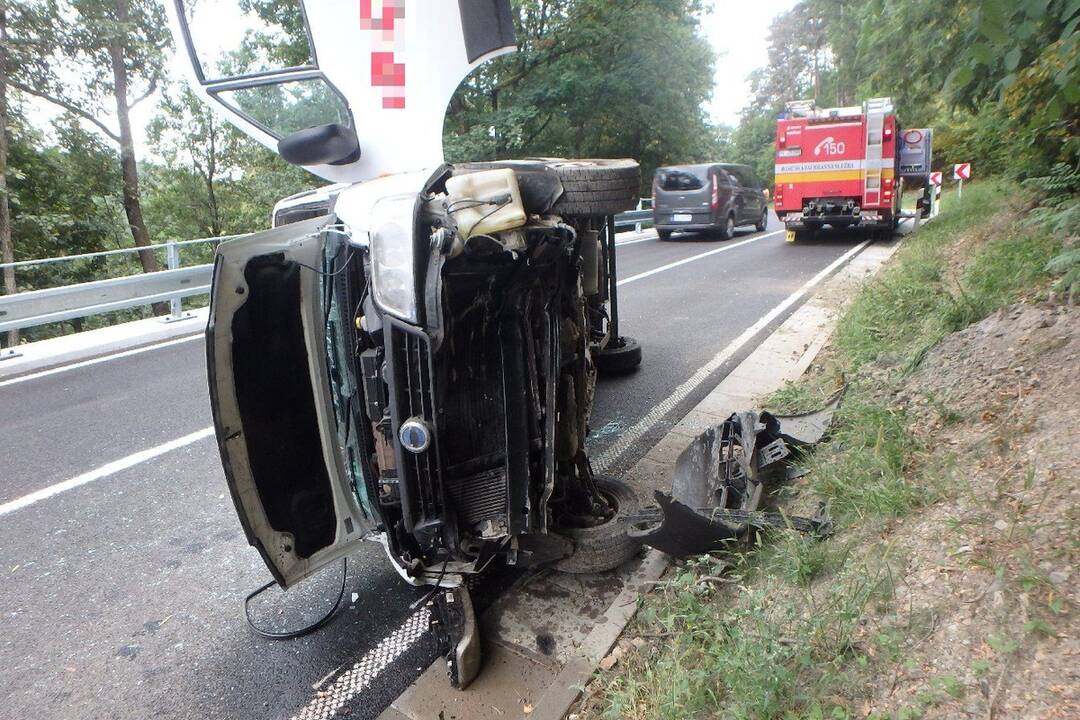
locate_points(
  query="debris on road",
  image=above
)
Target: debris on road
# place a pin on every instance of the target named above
(720, 478)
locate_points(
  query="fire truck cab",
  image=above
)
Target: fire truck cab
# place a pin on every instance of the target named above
(837, 167)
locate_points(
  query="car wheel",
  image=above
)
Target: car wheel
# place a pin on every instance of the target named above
(663, 234)
(608, 546)
(727, 230)
(763, 222)
(620, 356)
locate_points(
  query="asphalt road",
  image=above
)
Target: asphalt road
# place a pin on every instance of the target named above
(122, 597)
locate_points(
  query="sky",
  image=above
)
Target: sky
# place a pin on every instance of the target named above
(735, 28)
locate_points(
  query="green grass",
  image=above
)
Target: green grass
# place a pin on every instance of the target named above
(912, 305)
(779, 640)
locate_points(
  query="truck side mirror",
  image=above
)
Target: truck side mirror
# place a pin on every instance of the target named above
(331, 144)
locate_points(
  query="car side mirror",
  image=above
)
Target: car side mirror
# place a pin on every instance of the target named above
(330, 144)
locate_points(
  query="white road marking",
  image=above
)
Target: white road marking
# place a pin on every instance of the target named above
(692, 258)
(95, 361)
(356, 679)
(104, 471)
(635, 241)
(636, 431)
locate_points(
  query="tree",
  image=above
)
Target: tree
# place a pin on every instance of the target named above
(592, 77)
(197, 146)
(114, 47)
(7, 254)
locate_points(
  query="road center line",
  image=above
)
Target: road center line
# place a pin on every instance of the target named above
(104, 471)
(636, 431)
(692, 258)
(95, 361)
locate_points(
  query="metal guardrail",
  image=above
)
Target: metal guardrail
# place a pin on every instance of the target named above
(40, 307)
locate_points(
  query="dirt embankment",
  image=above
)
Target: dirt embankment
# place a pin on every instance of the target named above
(993, 568)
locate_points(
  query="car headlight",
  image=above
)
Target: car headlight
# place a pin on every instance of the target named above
(393, 266)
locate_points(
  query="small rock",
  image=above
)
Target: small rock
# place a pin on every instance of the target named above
(638, 642)
(1001, 525)
(1060, 577)
(608, 662)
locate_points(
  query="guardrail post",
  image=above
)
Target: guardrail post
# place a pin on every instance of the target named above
(176, 307)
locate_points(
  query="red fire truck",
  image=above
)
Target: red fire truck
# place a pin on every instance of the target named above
(837, 167)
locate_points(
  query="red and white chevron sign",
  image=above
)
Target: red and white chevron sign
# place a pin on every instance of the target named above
(962, 171)
(935, 179)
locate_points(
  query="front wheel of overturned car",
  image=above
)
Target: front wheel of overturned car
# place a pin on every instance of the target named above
(604, 547)
(622, 355)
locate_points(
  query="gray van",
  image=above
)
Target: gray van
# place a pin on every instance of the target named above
(710, 197)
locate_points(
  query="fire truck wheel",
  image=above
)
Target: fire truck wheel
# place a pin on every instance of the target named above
(763, 222)
(663, 234)
(727, 230)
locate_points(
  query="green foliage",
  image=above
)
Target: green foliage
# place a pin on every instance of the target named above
(915, 302)
(64, 201)
(751, 655)
(592, 78)
(214, 180)
(1009, 100)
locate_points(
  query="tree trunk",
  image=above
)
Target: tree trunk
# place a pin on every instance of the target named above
(128, 166)
(7, 252)
(211, 182)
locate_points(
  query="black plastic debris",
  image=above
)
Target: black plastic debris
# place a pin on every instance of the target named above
(720, 479)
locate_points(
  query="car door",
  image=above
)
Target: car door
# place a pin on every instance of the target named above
(367, 81)
(738, 197)
(756, 196)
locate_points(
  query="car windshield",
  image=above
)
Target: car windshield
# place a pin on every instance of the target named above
(681, 179)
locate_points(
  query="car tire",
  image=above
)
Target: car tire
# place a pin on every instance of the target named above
(663, 234)
(608, 546)
(622, 355)
(590, 187)
(727, 230)
(596, 187)
(763, 222)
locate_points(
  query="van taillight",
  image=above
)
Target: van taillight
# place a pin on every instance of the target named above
(655, 184)
(715, 192)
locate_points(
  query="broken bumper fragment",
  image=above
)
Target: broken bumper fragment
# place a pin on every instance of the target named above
(721, 477)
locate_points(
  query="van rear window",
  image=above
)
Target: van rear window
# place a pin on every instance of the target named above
(680, 180)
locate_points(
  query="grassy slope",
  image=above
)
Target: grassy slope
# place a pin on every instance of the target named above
(776, 632)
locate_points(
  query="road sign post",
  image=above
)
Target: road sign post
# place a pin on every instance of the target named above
(961, 172)
(935, 193)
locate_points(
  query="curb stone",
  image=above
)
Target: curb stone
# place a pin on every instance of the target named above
(585, 630)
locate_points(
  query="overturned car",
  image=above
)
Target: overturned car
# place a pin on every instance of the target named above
(410, 356)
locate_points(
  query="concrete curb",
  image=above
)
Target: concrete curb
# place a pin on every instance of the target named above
(46, 354)
(523, 683)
